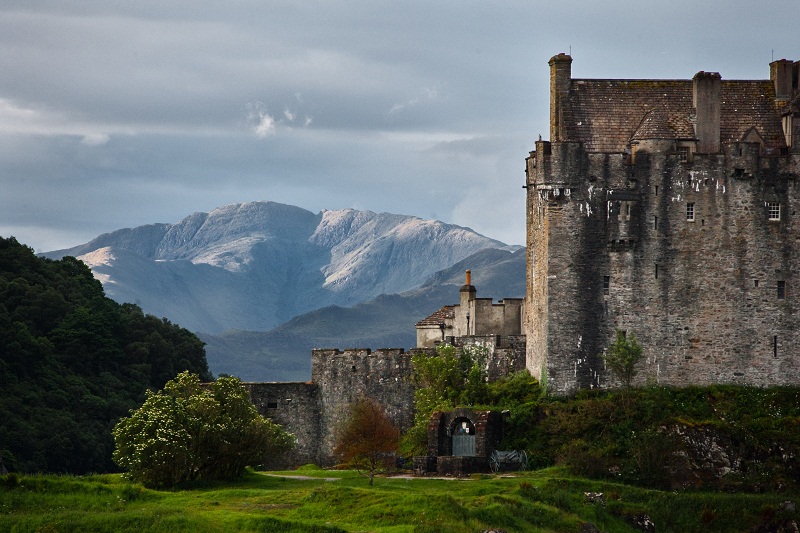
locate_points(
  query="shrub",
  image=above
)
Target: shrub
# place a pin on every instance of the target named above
(369, 440)
(190, 432)
(622, 356)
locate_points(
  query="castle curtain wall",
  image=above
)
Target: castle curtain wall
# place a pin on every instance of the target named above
(384, 376)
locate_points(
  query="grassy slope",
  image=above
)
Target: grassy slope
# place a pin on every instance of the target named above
(546, 500)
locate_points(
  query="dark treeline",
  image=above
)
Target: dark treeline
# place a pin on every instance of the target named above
(72, 362)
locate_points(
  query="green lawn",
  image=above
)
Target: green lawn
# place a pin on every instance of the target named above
(545, 500)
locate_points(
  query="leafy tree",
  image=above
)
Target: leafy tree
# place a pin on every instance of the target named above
(369, 440)
(520, 395)
(450, 379)
(72, 362)
(189, 432)
(622, 356)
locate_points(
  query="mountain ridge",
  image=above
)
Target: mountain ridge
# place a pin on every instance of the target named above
(387, 321)
(255, 265)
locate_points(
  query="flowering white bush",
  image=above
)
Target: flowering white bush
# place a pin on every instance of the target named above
(189, 431)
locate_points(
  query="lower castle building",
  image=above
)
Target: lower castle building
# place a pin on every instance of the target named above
(314, 411)
(666, 209)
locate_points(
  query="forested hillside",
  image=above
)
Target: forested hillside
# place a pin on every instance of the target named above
(72, 362)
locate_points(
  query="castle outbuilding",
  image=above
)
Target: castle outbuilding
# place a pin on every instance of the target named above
(473, 316)
(666, 209)
(314, 411)
(497, 327)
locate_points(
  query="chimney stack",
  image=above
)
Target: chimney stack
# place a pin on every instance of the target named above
(560, 81)
(466, 307)
(706, 98)
(781, 72)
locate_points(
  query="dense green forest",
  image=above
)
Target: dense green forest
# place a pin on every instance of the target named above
(72, 362)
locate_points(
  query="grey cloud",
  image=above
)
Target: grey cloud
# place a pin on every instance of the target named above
(118, 114)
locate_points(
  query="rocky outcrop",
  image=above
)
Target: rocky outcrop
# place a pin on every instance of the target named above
(711, 457)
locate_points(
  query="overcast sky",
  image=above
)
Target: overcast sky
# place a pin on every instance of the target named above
(118, 114)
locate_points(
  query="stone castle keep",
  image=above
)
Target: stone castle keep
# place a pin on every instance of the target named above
(662, 208)
(666, 209)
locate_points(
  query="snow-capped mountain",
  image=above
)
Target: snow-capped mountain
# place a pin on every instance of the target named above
(255, 265)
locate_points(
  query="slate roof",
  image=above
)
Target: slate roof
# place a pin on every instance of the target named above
(657, 124)
(607, 114)
(438, 317)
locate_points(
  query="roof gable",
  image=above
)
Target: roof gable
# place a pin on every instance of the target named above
(439, 317)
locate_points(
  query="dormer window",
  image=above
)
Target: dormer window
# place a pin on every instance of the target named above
(683, 154)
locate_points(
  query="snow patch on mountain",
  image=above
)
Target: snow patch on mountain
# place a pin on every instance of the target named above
(258, 264)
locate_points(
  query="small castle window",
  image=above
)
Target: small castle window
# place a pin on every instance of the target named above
(774, 211)
(272, 404)
(781, 290)
(606, 284)
(656, 190)
(656, 271)
(690, 211)
(655, 222)
(683, 154)
(755, 283)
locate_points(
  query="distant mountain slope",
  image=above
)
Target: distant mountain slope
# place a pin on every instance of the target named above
(256, 265)
(284, 353)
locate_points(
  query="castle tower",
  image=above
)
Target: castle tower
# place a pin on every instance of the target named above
(665, 209)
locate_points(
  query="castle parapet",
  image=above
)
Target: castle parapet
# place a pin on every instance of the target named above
(556, 164)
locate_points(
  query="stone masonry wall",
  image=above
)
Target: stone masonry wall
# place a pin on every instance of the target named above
(314, 411)
(610, 246)
(345, 376)
(295, 406)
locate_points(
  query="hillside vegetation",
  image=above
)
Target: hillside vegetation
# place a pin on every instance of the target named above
(727, 437)
(72, 362)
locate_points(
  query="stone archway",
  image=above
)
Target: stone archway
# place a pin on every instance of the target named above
(460, 442)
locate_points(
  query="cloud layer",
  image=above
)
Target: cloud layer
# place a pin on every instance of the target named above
(120, 114)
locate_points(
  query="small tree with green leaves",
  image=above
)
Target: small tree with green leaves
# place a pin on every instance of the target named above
(190, 431)
(450, 379)
(369, 439)
(622, 357)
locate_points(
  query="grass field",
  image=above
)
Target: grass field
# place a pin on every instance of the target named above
(323, 501)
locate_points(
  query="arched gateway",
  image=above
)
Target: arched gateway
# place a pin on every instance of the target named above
(460, 442)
